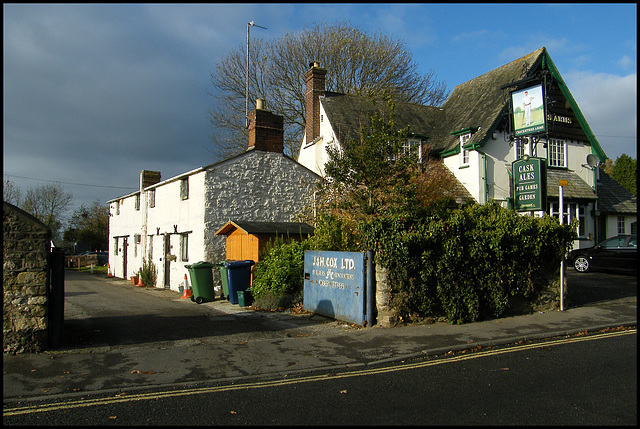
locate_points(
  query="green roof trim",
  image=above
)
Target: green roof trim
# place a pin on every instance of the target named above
(595, 146)
(463, 131)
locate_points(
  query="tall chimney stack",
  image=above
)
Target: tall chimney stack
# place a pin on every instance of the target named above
(315, 83)
(266, 130)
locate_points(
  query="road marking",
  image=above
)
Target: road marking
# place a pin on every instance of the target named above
(260, 385)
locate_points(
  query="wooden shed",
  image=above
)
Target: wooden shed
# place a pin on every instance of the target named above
(246, 239)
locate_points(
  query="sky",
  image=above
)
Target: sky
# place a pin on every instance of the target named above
(95, 93)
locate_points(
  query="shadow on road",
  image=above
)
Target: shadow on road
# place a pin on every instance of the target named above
(597, 287)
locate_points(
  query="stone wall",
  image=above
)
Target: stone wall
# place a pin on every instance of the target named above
(256, 186)
(26, 248)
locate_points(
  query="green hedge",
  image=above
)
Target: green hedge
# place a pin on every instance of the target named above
(467, 262)
(464, 262)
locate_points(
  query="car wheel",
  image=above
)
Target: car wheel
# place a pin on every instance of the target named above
(581, 264)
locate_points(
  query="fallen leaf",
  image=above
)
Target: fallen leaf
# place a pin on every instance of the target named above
(45, 390)
(113, 417)
(505, 369)
(343, 391)
(233, 412)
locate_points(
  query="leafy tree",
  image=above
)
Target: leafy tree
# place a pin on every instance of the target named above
(625, 171)
(48, 203)
(357, 63)
(375, 174)
(90, 226)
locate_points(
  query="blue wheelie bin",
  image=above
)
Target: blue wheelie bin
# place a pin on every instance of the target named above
(239, 277)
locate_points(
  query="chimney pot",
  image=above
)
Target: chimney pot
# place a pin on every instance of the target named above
(260, 103)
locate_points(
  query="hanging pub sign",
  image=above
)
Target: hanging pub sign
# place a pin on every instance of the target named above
(530, 184)
(528, 111)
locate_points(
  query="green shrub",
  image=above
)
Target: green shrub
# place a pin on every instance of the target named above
(280, 270)
(467, 262)
(148, 273)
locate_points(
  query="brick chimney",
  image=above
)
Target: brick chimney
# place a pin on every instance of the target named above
(315, 80)
(266, 130)
(148, 178)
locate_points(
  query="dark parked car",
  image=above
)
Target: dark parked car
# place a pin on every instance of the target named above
(615, 254)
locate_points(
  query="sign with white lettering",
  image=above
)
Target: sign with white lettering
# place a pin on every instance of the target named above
(528, 111)
(530, 184)
(334, 285)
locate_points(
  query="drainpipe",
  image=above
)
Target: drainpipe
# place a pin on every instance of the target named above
(484, 174)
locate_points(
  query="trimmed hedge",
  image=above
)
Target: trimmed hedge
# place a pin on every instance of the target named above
(467, 262)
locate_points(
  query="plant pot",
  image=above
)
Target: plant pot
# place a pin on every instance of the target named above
(134, 280)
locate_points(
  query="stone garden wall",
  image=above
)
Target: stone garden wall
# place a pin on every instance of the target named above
(26, 249)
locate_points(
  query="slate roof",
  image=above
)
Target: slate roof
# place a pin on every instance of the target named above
(480, 101)
(348, 113)
(280, 228)
(577, 189)
(613, 198)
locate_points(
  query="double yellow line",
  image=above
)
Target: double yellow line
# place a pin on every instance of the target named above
(309, 379)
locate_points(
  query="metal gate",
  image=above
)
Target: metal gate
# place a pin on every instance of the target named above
(340, 285)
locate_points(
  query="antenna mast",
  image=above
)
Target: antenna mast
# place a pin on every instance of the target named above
(246, 87)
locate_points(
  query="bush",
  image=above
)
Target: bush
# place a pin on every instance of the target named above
(467, 262)
(148, 273)
(280, 270)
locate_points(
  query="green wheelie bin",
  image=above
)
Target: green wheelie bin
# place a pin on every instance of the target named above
(201, 282)
(224, 278)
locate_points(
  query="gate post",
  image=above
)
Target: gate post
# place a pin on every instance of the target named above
(56, 297)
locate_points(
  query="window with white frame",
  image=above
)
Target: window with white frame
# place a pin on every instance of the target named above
(464, 153)
(152, 198)
(184, 247)
(621, 227)
(412, 146)
(520, 147)
(557, 153)
(137, 202)
(184, 188)
(571, 211)
(115, 245)
(150, 244)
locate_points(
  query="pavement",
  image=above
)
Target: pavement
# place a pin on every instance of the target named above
(295, 344)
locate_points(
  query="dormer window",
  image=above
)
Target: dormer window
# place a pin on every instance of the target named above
(413, 146)
(464, 153)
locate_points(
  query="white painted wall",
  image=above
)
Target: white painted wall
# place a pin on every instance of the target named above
(257, 186)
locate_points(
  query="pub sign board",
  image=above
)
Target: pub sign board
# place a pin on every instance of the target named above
(528, 111)
(335, 284)
(530, 184)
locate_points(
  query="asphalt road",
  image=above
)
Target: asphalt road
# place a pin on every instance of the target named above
(588, 380)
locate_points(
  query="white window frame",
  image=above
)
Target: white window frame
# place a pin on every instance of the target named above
(464, 153)
(571, 211)
(557, 153)
(621, 225)
(184, 188)
(184, 247)
(152, 198)
(412, 146)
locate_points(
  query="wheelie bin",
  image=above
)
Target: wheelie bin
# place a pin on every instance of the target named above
(224, 278)
(239, 275)
(201, 282)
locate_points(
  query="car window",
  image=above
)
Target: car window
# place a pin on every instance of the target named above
(633, 242)
(613, 243)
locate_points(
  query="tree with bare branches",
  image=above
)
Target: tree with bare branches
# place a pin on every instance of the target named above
(358, 64)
